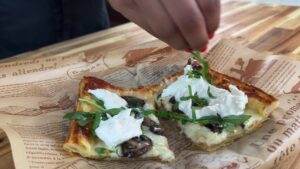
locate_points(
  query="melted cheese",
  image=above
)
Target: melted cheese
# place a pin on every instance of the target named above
(110, 99)
(119, 129)
(224, 102)
(160, 147)
(201, 134)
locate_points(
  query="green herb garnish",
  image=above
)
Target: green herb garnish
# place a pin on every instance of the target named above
(103, 152)
(209, 93)
(81, 117)
(228, 122)
(84, 118)
(98, 101)
(92, 102)
(197, 102)
(96, 122)
(204, 71)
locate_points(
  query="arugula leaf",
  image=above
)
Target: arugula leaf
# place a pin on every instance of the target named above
(92, 102)
(96, 122)
(194, 113)
(98, 101)
(81, 117)
(172, 116)
(190, 90)
(229, 122)
(209, 93)
(199, 102)
(102, 152)
(148, 112)
(229, 126)
(113, 111)
(204, 72)
(236, 120)
(209, 119)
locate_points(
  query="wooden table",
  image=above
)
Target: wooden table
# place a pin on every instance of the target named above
(263, 28)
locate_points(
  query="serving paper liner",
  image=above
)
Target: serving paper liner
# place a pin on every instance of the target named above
(36, 93)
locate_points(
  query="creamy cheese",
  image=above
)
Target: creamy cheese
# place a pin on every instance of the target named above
(110, 99)
(201, 134)
(160, 147)
(224, 102)
(119, 128)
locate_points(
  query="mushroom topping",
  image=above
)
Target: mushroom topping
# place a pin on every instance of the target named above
(153, 126)
(136, 146)
(215, 127)
(133, 102)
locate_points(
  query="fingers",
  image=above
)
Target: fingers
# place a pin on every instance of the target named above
(181, 23)
(130, 10)
(211, 11)
(161, 23)
(190, 21)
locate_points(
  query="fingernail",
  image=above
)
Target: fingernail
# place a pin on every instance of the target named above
(203, 49)
(211, 35)
(188, 50)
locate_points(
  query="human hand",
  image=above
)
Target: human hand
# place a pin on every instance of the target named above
(183, 24)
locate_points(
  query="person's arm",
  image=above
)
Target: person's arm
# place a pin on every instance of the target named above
(183, 24)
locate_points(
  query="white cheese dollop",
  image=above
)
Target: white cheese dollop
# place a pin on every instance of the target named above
(110, 99)
(224, 103)
(119, 129)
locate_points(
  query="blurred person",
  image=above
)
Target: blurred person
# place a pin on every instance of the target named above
(30, 24)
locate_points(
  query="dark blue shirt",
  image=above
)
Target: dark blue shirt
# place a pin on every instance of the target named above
(29, 24)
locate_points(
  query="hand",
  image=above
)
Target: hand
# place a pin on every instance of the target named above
(183, 24)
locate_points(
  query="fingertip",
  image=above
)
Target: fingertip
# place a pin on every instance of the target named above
(211, 35)
(188, 50)
(204, 48)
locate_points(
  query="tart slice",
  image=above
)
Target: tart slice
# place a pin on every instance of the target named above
(116, 124)
(213, 109)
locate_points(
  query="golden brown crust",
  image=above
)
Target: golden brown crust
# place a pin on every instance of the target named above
(143, 92)
(80, 138)
(223, 81)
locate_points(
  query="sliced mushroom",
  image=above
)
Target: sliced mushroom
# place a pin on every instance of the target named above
(215, 127)
(172, 100)
(134, 102)
(137, 113)
(136, 146)
(153, 126)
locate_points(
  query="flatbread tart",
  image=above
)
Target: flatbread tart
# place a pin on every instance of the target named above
(213, 109)
(112, 123)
